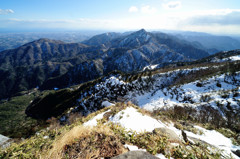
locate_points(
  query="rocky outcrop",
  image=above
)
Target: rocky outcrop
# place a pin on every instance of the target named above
(172, 136)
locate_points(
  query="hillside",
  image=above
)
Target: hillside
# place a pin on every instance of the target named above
(119, 86)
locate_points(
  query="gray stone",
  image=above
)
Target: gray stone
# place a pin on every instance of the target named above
(237, 153)
(4, 141)
(184, 135)
(238, 138)
(135, 155)
(173, 137)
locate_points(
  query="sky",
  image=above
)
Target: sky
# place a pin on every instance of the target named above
(212, 16)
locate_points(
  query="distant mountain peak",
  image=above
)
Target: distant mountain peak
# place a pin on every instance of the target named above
(142, 31)
(135, 39)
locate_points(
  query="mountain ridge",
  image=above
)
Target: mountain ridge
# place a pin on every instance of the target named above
(44, 62)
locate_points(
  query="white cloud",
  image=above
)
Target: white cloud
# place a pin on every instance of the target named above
(173, 5)
(6, 11)
(220, 21)
(231, 18)
(133, 9)
(148, 10)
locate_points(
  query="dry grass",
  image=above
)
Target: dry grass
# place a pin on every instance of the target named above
(86, 142)
(74, 118)
(53, 123)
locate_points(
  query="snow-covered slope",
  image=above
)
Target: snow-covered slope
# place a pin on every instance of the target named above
(217, 92)
(134, 121)
(209, 91)
(114, 88)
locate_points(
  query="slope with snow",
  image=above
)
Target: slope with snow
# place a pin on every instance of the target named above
(218, 91)
(209, 91)
(114, 88)
(134, 121)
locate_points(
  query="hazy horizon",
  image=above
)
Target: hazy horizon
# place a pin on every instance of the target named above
(209, 16)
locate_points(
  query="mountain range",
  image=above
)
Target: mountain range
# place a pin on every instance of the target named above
(210, 43)
(48, 64)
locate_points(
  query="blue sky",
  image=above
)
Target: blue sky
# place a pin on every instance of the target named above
(214, 16)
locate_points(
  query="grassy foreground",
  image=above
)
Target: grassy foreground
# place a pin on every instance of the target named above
(104, 140)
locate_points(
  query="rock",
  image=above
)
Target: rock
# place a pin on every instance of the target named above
(4, 141)
(237, 153)
(186, 124)
(238, 138)
(173, 137)
(135, 155)
(184, 135)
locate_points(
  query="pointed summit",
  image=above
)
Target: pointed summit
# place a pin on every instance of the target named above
(142, 31)
(134, 40)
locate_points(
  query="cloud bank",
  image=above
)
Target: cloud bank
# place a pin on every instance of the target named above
(232, 18)
(6, 11)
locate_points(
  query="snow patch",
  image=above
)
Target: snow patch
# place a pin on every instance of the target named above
(150, 67)
(235, 58)
(133, 148)
(161, 156)
(132, 120)
(231, 58)
(106, 104)
(93, 121)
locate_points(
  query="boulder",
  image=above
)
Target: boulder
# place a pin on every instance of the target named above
(135, 155)
(4, 141)
(237, 153)
(238, 138)
(173, 137)
(184, 135)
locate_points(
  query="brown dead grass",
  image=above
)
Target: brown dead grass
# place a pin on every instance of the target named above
(86, 142)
